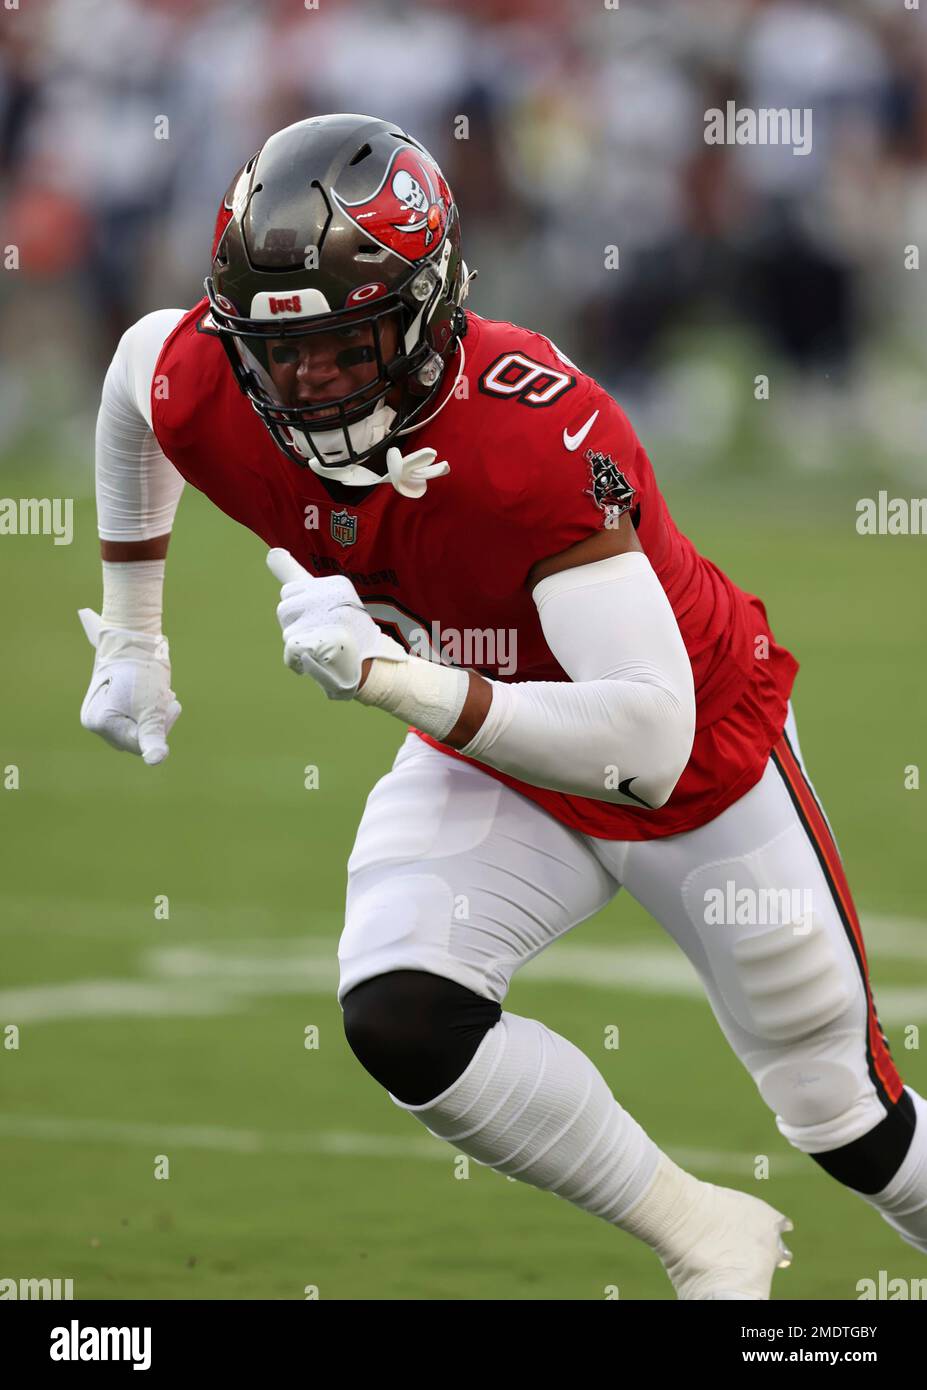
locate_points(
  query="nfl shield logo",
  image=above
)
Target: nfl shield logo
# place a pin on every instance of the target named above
(344, 528)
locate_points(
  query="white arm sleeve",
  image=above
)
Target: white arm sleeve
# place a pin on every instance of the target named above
(621, 729)
(137, 488)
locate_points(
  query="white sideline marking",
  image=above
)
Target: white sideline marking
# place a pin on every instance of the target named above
(106, 999)
(222, 977)
(58, 1129)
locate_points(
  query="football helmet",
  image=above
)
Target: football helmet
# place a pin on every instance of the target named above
(340, 225)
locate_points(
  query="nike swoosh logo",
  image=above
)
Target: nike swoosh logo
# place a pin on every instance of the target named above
(102, 686)
(625, 789)
(573, 441)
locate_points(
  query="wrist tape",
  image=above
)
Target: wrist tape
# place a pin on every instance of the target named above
(133, 594)
(427, 694)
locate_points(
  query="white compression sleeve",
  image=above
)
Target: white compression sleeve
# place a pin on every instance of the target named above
(621, 729)
(137, 488)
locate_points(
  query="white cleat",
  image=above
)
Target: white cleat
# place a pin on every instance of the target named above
(733, 1246)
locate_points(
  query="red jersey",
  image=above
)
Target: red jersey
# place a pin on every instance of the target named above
(540, 458)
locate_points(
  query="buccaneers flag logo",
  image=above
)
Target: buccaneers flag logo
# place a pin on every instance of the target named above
(409, 211)
(610, 488)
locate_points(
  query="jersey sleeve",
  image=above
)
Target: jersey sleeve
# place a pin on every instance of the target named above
(580, 468)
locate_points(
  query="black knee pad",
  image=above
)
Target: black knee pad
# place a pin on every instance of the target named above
(416, 1033)
(870, 1162)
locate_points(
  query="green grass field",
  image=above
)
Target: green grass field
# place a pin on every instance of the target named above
(184, 1037)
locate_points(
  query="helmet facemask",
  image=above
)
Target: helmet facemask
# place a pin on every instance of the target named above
(325, 434)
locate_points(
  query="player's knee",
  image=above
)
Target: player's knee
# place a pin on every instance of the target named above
(818, 1092)
(807, 1006)
(414, 1032)
(828, 1107)
(868, 1163)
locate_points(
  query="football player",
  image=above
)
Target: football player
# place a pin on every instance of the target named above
(471, 482)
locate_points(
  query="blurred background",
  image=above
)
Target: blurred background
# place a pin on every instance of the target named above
(584, 130)
(184, 1034)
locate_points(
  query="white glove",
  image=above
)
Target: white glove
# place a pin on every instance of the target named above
(129, 702)
(327, 631)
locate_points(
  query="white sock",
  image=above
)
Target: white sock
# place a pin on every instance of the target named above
(903, 1202)
(531, 1105)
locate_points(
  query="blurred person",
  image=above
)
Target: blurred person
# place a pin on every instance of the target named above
(648, 742)
(18, 91)
(614, 97)
(230, 68)
(105, 80)
(800, 262)
(410, 60)
(650, 137)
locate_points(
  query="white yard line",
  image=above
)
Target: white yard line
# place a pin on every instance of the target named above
(329, 1143)
(214, 978)
(223, 976)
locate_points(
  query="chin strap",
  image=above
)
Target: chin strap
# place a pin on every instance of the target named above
(408, 473)
(410, 429)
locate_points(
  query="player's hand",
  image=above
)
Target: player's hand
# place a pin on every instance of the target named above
(129, 701)
(327, 631)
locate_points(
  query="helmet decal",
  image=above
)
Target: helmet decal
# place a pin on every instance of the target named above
(299, 302)
(362, 293)
(223, 218)
(409, 211)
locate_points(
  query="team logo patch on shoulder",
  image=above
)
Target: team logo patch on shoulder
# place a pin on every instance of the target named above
(344, 528)
(610, 488)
